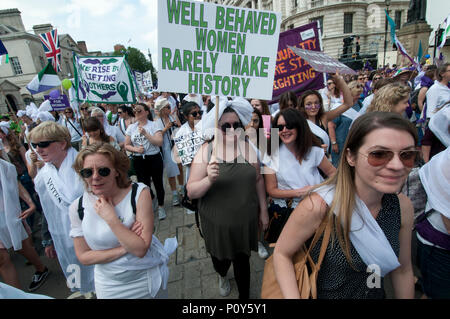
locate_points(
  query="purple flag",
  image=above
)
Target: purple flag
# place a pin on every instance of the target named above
(292, 73)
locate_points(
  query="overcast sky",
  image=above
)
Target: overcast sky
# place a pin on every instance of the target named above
(104, 23)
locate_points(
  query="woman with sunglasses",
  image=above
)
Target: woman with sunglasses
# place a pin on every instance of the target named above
(144, 139)
(311, 106)
(193, 115)
(112, 228)
(338, 128)
(126, 118)
(172, 169)
(74, 128)
(58, 185)
(371, 223)
(294, 167)
(95, 133)
(231, 194)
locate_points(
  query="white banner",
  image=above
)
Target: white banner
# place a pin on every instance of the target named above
(147, 80)
(212, 49)
(104, 80)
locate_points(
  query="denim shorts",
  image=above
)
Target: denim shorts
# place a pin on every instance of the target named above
(434, 265)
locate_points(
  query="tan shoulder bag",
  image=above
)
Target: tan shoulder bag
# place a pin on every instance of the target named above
(306, 280)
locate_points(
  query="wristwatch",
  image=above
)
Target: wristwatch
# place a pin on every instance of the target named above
(333, 143)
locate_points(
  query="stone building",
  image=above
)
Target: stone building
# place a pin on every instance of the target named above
(339, 19)
(27, 58)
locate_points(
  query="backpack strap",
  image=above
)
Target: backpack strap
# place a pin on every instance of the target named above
(80, 208)
(134, 188)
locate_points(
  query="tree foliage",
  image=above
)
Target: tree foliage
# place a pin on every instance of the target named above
(137, 61)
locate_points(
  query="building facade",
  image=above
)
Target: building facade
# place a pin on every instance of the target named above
(338, 19)
(27, 58)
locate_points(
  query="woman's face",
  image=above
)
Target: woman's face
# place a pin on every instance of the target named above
(229, 124)
(287, 136)
(254, 122)
(68, 113)
(165, 111)
(331, 86)
(98, 184)
(387, 178)
(94, 134)
(312, 105)
(191, 118)
(140, 113)
(99, 117)
(257, 105)
(401, 106)
(49, 151)
(121, 112)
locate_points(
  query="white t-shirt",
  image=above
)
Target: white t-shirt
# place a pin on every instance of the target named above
(366, 104)
(437, 95)
(74, 128)
(138, 139)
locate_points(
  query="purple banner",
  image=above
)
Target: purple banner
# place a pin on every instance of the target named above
(292, 73)
(58, 104)
(322, 62)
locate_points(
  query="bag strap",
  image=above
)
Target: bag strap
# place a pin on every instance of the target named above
(134, 188)
(74, 127)
(80, 208)
(198, 222)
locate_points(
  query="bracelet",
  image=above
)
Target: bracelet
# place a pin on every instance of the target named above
(333, 143)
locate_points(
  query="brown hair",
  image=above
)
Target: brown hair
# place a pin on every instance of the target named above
(93, 124)
(301, 103)
(119, 160)
(441, 69)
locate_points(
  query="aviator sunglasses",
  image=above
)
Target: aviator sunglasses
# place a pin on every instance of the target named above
(382, 157)
(234, 125)
(43, 144)
(281, 127)
(102, 171)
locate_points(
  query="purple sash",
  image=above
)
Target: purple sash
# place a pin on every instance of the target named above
(427, 231)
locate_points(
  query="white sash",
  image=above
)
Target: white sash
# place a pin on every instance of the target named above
(57, 189)
(316, 130)
(351, 113)
(12, 232)
(366, 235)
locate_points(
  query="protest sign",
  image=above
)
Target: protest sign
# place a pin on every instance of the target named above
(322, 62)
(104, 80)
(212, 49)
(292, 73)
(188, 145)
(139, 85)
(58, 104)
(147, 80)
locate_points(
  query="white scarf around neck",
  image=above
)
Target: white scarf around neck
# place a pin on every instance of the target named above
(366, 235)
(316, 130)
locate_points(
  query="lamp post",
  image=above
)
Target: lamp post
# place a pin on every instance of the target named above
(387, 2)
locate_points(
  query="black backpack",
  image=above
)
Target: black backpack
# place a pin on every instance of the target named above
(133, 202)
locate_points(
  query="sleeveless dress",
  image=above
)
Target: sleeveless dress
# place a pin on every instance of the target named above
(337, 279)
(229, 211)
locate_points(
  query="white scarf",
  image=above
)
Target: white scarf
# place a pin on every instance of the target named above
(12, 232)
(435, 178)
(316, 130)
(439, 125)
(351, 113)
(64, 185)
(366, 235)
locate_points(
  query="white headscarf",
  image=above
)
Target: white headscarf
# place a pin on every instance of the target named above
(435, 178)
(45, 106)
(44, 116)
(439, 125)
(240, 105)
(21, 113)
(4, 126)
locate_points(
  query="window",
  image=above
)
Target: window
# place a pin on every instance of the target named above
(316, 3)
(398, 19)
(320, 19)
(16, 65)
(348, 22)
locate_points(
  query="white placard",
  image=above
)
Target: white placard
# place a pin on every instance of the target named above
(212, 49)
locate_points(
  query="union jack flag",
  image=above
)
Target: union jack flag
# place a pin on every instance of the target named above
(50, 42)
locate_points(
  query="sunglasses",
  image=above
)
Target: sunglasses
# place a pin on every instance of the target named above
(194, 114)
(281, 127)
(137, 111)
(102, 171)
(312, 106)
(68, 112)
(83, 108)
(44, 144)
(226, 126)
(382, 157)
(119, 113)
(329, 83)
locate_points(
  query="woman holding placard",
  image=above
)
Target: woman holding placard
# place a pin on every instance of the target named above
(230, 227)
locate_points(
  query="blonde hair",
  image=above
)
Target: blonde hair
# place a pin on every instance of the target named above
(344, 178)
(118, 159)
(51, 131)
(386, 98)
(356, 88)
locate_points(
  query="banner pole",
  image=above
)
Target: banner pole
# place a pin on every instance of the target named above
(216, 126)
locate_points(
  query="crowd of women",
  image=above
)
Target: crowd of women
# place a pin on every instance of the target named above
(352, 155)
